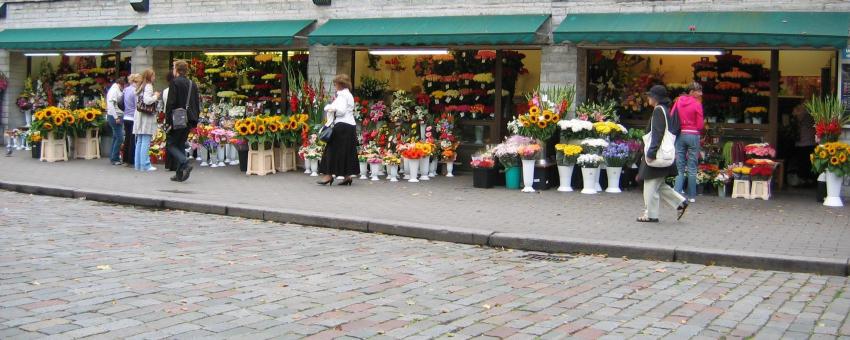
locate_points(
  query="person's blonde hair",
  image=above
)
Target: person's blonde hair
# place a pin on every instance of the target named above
(343, 81)
(182, 67)
(133, 78)
(144, 79)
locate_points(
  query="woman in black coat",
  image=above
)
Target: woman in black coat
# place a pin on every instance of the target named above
(654, 186)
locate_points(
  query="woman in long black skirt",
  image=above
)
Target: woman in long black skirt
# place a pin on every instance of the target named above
(340, 157)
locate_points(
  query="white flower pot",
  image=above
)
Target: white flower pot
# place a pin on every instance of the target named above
(375, 169)
(450, 167)
(204, 156)
(414, 171)
(314, 167)
(405, 163)
(434, 164)
(528, 175)
(307, 169)
(382, 170)
(393, 170)
(221, 156)
(565, 175)
(212, 157)
(613, 179)
(424, 166)
(233, 155)
(364, 170)
(598, 174)
(588, 175)
(833, 190)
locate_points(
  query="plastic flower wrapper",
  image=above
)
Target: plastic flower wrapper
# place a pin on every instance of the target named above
(567, 154)
(590, 161)
(575, 129)
(594, 145)
(528, 151)
(617, 155)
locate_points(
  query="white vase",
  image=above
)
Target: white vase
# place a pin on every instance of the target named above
(203, 155)
(405, 163)
(434, 164)
(528, 175)
(479, 134)
(393, 170)
(450, 167)
(314, 167)
(565, 175)
(414, 171)
(424, 166)
(588, 176)
(598, 175)
(233, 155)
(364, 170)
(221, 156)
(307, 169)
(375, 169)
(833, 190)
(212, 157)
(614, 179)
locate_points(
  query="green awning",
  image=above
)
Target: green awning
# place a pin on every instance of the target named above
(750, 29)
(96, 37)
(218, 34)
(424, 31)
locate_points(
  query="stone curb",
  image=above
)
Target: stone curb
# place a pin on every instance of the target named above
(521, 241)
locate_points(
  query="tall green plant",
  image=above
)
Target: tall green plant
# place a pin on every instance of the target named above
(829, 117)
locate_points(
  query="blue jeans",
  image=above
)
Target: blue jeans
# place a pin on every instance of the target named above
(143, 144)
(117, 139)
(687, 158)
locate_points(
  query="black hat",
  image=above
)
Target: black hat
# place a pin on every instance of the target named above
(659, 92)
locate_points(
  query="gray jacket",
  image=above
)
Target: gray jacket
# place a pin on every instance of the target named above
(145, 123)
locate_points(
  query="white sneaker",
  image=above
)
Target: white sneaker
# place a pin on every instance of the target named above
(150, 169)
(692, 200)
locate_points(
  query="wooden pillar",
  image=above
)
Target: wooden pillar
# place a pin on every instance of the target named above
(498, 127)
(773, 110)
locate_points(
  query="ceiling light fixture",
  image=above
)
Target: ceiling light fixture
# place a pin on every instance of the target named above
(430, 51)
(84, 54)
(674, 52)
(230, 53)
(41, 54)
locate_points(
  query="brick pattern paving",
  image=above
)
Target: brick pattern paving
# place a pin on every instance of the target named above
(788, 225)
(78, 269)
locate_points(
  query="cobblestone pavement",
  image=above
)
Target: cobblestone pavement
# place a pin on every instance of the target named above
(74, 269)
(788, 225)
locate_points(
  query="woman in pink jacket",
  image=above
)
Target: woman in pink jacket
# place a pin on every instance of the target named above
(689, 109)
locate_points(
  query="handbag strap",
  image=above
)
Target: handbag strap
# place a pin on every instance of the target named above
(666, 124)
(189, 95)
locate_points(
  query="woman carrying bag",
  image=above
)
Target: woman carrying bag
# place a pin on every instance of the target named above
(657, 163)
(145, 125)
(340, 157)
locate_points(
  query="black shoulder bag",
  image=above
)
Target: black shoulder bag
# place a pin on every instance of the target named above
(180, 115)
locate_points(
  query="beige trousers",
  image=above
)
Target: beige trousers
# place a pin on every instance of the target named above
(654, 190)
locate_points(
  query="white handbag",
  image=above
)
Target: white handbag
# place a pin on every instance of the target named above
(666, 154)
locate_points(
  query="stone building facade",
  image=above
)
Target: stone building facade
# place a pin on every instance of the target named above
(561, 63)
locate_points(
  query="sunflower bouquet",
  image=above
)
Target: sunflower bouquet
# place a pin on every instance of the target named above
(540, 122)
(567, 154)
(84, 119)
(832, 157)
(53, 120)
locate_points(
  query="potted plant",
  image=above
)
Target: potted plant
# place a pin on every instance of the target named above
(828, 114)
(482, 166)
(616, 156)
(528, 153)
(832, 159)
(566, 156)
(589, 164)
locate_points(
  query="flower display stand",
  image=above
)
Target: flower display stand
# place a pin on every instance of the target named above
(741, 189)
(760, 189)
(284, 159)
(54, 149)
(260, 160)
(87, 146)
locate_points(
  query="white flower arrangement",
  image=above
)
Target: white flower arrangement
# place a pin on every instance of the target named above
(590, 161)
(575, 125)
(594, 143)
(236, 111)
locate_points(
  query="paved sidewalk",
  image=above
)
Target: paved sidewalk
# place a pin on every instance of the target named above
(786, 226)
(81, 269)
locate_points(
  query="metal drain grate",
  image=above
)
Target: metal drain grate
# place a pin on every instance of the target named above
(548, 257)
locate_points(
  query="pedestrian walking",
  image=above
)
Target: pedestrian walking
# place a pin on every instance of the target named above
(114, 117)
(129, 118)
(340, 156)
(145, 125)
(182, 95)
(688, 109)
(654, 187)
(169, 162)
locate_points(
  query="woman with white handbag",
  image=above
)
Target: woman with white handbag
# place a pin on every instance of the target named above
(659, 156)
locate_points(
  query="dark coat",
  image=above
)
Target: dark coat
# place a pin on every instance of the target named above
(656, 128)
(178, 92)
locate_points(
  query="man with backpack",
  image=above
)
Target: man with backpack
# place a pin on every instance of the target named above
(687, 123)
(181, 115)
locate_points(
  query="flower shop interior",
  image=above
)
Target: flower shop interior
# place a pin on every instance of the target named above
(754, 85)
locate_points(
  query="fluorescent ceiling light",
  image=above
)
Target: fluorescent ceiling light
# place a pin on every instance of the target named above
(231, 53)
(429, 51)
(674, 52)
(84, 54)
(41, 54)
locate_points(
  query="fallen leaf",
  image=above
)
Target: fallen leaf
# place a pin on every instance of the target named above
(411, 302)
(451, 335)
(36, 283)
(104, 267)
(660, 270)
(114, 302)
(486, 306)
(683, 321)
(338, 327)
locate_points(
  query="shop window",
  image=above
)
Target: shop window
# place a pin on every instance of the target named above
(73, 81)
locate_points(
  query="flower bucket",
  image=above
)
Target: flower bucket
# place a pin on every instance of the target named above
(87, 146)
(588, 176)
(243, 160)
(424, 166)
(36, 150)
(613, 179)
(434, 164)
(413, 171)
(528, 175)
(364, 170)
(599, 175)
(513, 178)
(481, 178)
(393, 170)
(833, 190)
(260, 160)
(565, 176)
(375, 169)
(450, 168)
(54, 148)
(406, 167)
(721, 191)
(314, 167)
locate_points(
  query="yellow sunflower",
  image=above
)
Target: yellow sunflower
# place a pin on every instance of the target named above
(523, 120)
(242, 128)
(547, 115)
(534, 110)
(58, 120)
(252, 128)
(47, 126)
(834, 160)
(261, 129)
(822, 154)
(542, 124)
(842, 157)
(556, 118)
(70, 120)
(273, 128)
(303, 118)
(48, 112)
(281, 126)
